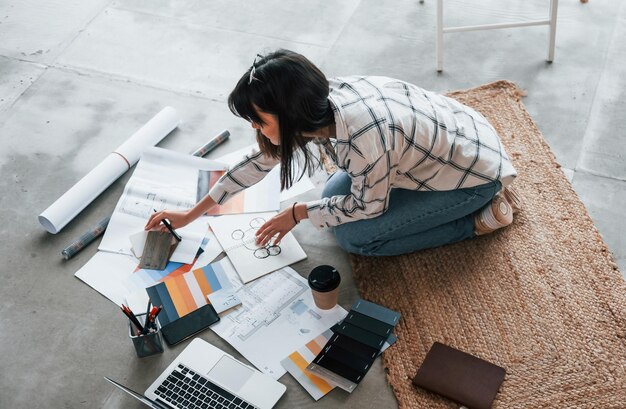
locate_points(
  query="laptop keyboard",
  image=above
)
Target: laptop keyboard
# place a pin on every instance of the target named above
(184, 388)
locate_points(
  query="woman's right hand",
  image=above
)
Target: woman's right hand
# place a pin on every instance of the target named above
(177, 219)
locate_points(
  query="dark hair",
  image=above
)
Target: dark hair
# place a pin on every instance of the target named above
(288, 85)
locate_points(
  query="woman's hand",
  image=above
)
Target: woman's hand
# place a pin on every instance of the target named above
(177, 219)
(278, 226)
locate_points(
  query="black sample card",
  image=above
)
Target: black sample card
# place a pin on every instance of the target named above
(377, 312)
(339, 368)
(357, 348)
(368, 323)
(361, 335)
(348, 358)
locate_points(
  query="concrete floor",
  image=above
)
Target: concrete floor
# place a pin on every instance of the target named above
(77, 77)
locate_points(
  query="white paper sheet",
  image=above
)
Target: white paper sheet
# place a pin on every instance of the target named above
(298, 188)
(163, 179)
(262, 197)
(137, 301)
(72, 202)
(118, 277)
(107, 273)
(236, 234)
(277, 316)
(212, 249)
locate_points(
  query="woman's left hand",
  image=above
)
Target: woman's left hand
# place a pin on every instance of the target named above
(278, 226)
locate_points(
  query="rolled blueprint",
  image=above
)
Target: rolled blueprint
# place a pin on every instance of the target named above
(212, 144)
(61, 212)
(82, 242)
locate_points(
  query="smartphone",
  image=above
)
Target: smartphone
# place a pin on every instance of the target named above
(190, 324)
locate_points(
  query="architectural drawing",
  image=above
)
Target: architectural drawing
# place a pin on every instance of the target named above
(276, 317)
(141, 200)
(264, 301)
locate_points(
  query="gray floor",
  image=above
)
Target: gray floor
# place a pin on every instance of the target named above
(77, 77)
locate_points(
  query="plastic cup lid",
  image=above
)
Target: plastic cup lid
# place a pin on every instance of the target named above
(324, 278)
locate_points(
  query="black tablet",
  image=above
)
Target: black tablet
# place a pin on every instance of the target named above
(190, 324)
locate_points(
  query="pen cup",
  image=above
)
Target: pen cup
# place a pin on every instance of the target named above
(148, 344)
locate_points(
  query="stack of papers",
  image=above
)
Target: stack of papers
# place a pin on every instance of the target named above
(277, 316)
(267, 308)
(162, 180)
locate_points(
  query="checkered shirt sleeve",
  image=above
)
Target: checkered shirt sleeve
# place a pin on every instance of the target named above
(252, 169)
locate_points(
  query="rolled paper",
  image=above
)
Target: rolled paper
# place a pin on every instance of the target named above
(212, 144)
(118, 162)
(85, 239)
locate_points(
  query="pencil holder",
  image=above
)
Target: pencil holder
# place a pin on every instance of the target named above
(148, 344)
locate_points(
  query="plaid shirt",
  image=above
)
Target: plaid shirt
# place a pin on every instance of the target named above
(391, 134)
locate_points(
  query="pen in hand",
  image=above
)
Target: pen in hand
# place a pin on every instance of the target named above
(169, 227)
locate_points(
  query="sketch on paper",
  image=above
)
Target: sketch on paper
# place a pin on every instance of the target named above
(236, 234)
(248, 239)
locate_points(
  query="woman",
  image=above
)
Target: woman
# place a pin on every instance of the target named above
(417, 169)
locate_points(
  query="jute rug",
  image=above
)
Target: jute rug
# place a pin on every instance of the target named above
(543, 297)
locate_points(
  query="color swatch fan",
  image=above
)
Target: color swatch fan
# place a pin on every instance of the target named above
(183, 294)
(357, 341)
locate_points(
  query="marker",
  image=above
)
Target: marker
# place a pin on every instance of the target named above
(169, 227)
(212, 144)
(158, 311)
(82, 242)
(148, 324)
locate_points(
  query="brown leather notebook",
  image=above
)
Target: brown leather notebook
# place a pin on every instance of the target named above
(464, 378)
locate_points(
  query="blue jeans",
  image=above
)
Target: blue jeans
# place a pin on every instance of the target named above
(415, 220)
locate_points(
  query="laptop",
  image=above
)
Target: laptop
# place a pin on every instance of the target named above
(203, 376)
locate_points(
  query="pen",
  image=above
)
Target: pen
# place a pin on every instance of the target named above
(146, 323)
(169, 227)
(148, 309)
(137, 330)
(149, 323)
(132, 318)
